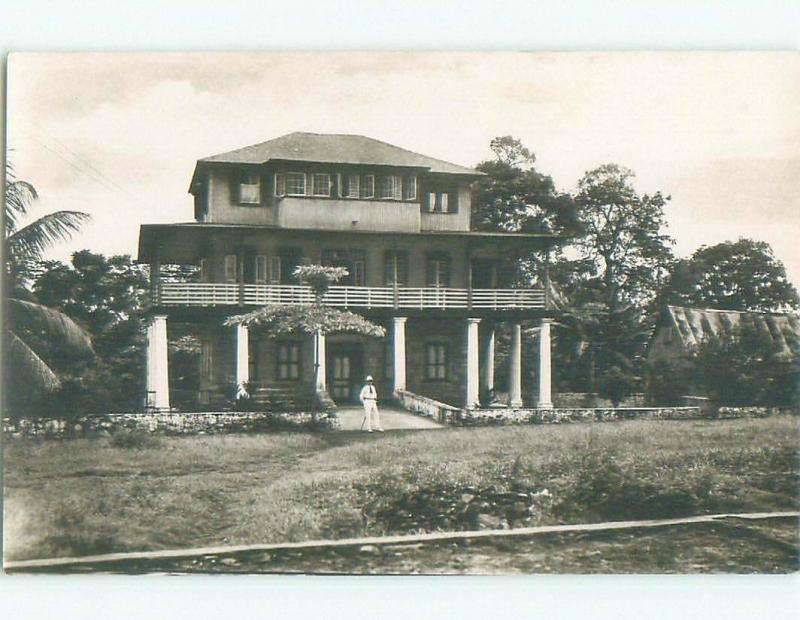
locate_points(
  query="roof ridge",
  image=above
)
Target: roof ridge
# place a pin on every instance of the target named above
(695, 308)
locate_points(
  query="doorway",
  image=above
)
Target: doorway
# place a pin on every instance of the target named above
(345, 366)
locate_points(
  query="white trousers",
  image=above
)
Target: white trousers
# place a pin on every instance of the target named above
(371, 414)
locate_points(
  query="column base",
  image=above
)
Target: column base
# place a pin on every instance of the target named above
(515, 404)
(544, 405)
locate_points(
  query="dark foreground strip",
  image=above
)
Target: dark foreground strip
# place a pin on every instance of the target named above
(385, 540)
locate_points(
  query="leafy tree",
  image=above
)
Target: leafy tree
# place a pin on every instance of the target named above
(624, 240)
(35, 336)
(514, 196)
(108, 296)
(749, 368)
(741, 275)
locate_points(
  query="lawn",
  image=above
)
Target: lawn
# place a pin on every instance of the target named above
(86, 496)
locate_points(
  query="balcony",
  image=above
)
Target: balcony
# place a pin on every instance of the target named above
(195, 294)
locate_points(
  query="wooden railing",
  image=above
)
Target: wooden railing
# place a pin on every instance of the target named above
(196, 294)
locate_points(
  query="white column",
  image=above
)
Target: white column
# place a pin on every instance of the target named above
(472, 364)
(242, 360)
(487, 363)
(545, 397)
(515, 367)
(157, 364)
(399, 351)
(319, 362)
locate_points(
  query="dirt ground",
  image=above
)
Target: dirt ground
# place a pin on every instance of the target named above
(732, 546)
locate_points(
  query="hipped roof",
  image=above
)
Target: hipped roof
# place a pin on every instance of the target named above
(336, 149)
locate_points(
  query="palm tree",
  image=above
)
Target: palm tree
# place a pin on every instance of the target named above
(31, 329)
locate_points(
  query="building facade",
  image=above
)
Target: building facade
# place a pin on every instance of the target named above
(397, 220)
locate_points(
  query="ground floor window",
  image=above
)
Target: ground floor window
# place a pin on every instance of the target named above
(435, 361)
(288, 361)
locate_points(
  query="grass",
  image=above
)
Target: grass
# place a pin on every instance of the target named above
(83, 496)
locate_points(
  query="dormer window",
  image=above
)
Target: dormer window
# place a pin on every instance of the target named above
(295, 184)
(249, 188)
(321, 184)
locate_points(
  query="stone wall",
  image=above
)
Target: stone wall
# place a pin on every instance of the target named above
(422, 405)
(502, 416)
(169, 423)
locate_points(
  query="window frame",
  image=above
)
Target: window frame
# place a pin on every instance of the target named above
(261, 265)
(279, 184)
(231, 279)
(288, 369)
(436, 370)
(305, 183)
(314, 176)
(247, 178)
(440, 259)
(410, 181)
(350, 178)
(367, 181)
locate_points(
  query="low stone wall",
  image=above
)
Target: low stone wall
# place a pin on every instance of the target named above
(422, 405)
(169, 423)
(485, 417)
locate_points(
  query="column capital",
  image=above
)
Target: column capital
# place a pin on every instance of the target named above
(399, 319)
(159, 317)
(545, 319)
(473, 320)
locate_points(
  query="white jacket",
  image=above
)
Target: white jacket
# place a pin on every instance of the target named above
(368, 392)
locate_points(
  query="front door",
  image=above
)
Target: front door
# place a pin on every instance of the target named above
(344, 372)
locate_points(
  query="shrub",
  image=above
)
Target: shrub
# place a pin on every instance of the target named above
(134, 440)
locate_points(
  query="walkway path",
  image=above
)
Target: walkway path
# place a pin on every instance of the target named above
(392, 418)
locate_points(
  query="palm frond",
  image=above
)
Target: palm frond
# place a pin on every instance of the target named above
(19, 195)
(28, 243)
(61, 329)
(29, 371)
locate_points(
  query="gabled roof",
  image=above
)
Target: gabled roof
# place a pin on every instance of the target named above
(695, 325)
(335, 149)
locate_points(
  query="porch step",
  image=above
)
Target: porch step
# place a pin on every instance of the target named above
(277, 399)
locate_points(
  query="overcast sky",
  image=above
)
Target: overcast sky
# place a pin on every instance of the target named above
(118, 135)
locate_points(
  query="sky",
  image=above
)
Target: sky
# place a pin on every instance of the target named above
(118, 134)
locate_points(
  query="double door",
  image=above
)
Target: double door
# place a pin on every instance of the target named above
(345, 372)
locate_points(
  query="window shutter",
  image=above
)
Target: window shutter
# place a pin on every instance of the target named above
(454, 202)
(397, 187)
(444, 199)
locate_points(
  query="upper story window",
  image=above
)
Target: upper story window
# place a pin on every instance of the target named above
(391, 187)
(368, 186)
(352, 185)
(320, 184)
(249, 188)
(295, 184)
(280, 184)
(410, 188)
(440, 202)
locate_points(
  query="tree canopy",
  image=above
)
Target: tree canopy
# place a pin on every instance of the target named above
(740, 275)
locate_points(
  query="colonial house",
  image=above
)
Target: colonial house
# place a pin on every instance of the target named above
(397, 220)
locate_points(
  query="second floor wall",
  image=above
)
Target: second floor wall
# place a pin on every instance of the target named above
(333, 198)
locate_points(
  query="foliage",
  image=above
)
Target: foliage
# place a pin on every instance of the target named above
(748, 368)
(35, 337)
(623, 239)
(310, 318)
(616, 383)
(670, 379)
(741, 275)
(319, 277)
(513, 196)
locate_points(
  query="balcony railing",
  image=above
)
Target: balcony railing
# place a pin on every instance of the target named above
(195, 294)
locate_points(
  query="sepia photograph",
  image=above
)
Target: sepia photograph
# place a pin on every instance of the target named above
(401, 313)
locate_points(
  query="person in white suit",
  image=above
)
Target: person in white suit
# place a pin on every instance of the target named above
(369, 398)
